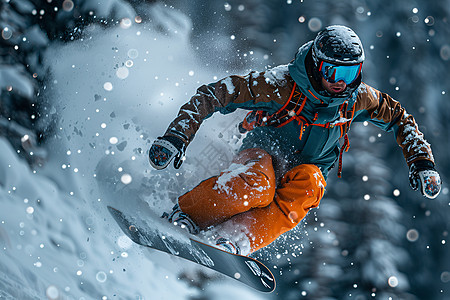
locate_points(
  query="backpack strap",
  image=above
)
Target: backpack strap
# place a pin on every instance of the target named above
(345, 148)
(286, 114)
(290, 110)
(344, 133)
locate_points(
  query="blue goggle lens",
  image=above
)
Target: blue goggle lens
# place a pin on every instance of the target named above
(333, 73)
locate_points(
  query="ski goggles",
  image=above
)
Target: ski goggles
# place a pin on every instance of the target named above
(334, 73)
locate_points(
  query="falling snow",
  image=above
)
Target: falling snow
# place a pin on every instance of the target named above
(58, 240)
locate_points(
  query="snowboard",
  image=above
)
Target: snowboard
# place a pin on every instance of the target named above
(174, 240)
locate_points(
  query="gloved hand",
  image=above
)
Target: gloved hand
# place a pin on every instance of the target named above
(423, 176)
(164, 149)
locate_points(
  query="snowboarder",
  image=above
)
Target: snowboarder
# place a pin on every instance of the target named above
(298, 113)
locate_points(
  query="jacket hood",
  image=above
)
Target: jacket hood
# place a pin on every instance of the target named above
(298, 72)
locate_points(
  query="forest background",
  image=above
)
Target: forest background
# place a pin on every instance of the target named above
(372, 237)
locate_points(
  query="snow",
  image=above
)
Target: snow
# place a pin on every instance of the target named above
(229, 84)
(232, 171)
(11, 77)
(319, 179)
(110, 8)
(277, 75)
(56, 237)
(340, 121)
(363, 89)
(46, 247)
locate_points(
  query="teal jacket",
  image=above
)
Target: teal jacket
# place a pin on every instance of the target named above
(321, 121)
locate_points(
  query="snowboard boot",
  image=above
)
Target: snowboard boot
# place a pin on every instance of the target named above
(179, 218)
(227, 245)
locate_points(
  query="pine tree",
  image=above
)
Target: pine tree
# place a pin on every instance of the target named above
(412, 50)
(372, 244)
(28, 27)
(313, 263)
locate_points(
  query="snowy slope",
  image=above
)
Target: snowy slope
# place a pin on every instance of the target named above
(53, 244)
(113, 92)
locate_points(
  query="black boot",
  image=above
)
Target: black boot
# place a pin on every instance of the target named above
(179, 218)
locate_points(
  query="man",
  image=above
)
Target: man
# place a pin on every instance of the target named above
(298, 114)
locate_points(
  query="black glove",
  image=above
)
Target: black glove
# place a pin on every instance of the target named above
(423, 176)
(164, 149)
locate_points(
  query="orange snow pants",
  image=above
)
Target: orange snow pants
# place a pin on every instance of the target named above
(246, 193)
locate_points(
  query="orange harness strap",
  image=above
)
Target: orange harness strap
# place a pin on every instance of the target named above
(283, 116)
(291, 111)
(345, 148)
(346, 145)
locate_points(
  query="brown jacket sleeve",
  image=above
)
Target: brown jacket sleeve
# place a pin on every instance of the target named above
(388, 114)
(256, 90)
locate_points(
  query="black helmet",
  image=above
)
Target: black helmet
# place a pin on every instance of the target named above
(338, 45)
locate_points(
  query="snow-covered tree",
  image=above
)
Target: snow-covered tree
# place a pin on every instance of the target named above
(372, 243)
(27, 29)
(313, 262)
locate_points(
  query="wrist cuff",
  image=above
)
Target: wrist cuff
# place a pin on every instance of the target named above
(423, 164)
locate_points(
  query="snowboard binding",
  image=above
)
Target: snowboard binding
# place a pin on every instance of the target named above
(179, 218)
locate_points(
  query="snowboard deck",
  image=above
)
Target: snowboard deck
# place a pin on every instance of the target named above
(242, 268)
